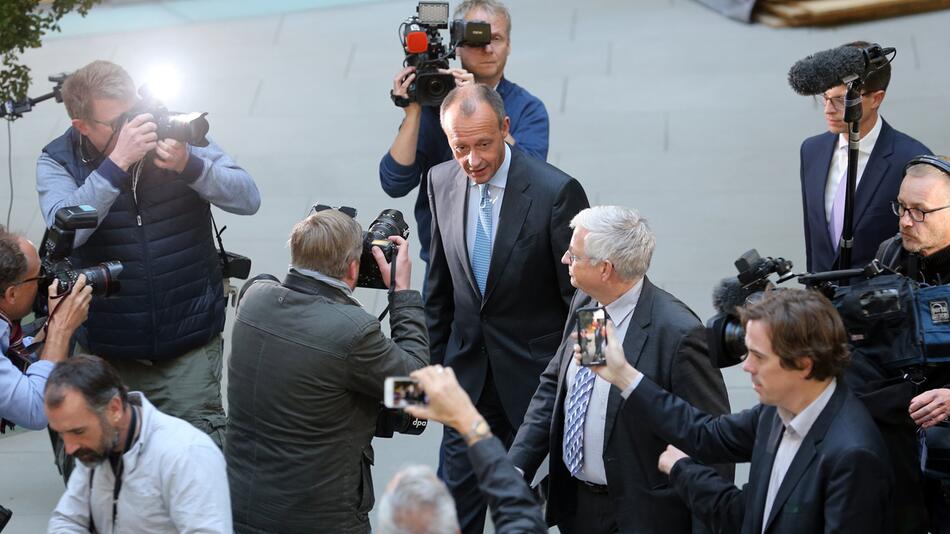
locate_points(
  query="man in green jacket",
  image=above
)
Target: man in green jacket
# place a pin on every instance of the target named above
(305, 382)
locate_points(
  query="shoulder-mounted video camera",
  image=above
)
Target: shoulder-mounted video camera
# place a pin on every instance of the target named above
(422, 41)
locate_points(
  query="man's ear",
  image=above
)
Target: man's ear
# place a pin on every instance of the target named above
(114, 409)
(876, 99)
(805, 364)
(81, 126)
(9, 294)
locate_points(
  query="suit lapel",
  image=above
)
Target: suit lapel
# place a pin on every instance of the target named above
(458, 214)
(633, 342)
(806, 452)
(514, 210)
(815, 189)
(762, 469)
(874, 172)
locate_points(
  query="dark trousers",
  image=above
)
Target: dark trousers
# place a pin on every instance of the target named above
(455, 469)
(594, 513)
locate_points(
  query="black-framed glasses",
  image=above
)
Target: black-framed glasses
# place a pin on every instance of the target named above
(916, 214)
(316, 208)
(837, 102)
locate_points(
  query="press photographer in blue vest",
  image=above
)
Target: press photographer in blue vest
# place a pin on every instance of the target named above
(26, 360)
(162, 332)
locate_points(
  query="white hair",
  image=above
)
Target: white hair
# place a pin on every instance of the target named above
(618, 235)
(418, 503)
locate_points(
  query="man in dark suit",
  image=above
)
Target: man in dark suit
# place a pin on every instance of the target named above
(497, 295)
(882, 154)
(603, 475)
(819, 463)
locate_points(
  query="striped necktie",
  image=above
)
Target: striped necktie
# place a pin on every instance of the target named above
(481, 251)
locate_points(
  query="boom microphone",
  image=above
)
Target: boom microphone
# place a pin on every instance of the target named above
(728, 295)
(821, 71)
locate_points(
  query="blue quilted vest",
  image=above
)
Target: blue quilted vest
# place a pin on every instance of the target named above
(171, 300)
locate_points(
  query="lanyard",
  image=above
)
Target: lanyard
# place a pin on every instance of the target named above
(117, 485)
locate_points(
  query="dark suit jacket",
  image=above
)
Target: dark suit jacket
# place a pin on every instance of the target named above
(666, 341)
(839, 481)
(517, 325)
(873, 219)
(513, 506)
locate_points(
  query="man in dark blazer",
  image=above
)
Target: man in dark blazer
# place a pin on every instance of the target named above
(603, 475)
(883, 152)
(818, 462)
(497, 295)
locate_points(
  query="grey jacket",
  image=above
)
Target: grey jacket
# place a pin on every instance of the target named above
(305, 381)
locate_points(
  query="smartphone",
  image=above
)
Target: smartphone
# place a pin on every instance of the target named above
(402, 391)
(592, 335)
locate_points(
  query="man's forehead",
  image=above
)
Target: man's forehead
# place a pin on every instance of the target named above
(110, 108)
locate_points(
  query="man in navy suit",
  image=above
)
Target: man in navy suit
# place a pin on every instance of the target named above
(818, 462)
(882, 154)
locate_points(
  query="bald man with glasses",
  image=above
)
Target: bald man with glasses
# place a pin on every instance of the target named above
(882, 153)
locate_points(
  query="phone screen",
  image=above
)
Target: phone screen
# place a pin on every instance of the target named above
(402, 391)
(592, 335)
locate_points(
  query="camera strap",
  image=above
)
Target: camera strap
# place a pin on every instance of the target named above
(391, 294)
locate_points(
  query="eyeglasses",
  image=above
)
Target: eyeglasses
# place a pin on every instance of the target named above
(574, 257)
(837, 102)
(916, 214)
(316, 208)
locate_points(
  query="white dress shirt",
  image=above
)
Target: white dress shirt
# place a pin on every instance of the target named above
(496, 191)
(796, 428)
(592, 468)
(839, 164)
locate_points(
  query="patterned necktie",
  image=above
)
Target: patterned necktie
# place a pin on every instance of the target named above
(481, 250)
(574, 419)
(836, 224)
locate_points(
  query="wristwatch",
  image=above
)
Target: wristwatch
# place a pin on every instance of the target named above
(400, 101)
(479, 431)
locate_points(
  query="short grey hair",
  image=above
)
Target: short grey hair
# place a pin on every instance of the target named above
(418, 503)
(492, 7)
(618, 235)
(327, 241)
(469, 97)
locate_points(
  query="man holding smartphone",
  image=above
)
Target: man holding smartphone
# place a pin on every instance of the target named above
(305, 379)
(603, 475)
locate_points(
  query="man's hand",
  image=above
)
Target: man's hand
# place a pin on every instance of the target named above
(448, 402)
(618, 370)
(401, 84)
(669, 458)
(65, 316)
(930, 407)
(171, 155)
(462, 76)
(403, 263)
(136, 139)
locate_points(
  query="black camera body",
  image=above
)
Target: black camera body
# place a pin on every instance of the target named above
(54, 253)
(422, 41)
(389, 223)
(191, 127)
(390, 421)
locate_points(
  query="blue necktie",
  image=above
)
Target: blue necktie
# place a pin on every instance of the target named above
(574, 419)
(481, 250)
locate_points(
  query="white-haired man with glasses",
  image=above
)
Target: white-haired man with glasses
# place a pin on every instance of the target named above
(882, 153)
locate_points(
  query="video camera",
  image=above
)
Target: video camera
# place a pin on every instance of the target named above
(54, 253)
(891, 320)
(422, 42)
(188, 128)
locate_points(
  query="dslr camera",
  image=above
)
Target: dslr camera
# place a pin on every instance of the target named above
(188, 128)
(422, 41)
(54, 253)
(389, 223)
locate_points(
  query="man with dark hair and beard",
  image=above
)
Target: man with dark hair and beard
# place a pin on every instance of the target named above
(140, 470)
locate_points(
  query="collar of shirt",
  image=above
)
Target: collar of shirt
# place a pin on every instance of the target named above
(800, 424)
(326, 279)
(866, 145)
(500, 179)
(623, 307)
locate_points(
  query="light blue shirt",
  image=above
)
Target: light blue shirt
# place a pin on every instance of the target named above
(21, 395)
(496, 191)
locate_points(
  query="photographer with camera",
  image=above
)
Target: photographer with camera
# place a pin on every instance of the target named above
(920, 251)
(417, 502)
(153, 193)
(305, 382)
(421, 144)
(23, 368)
(818, 462)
